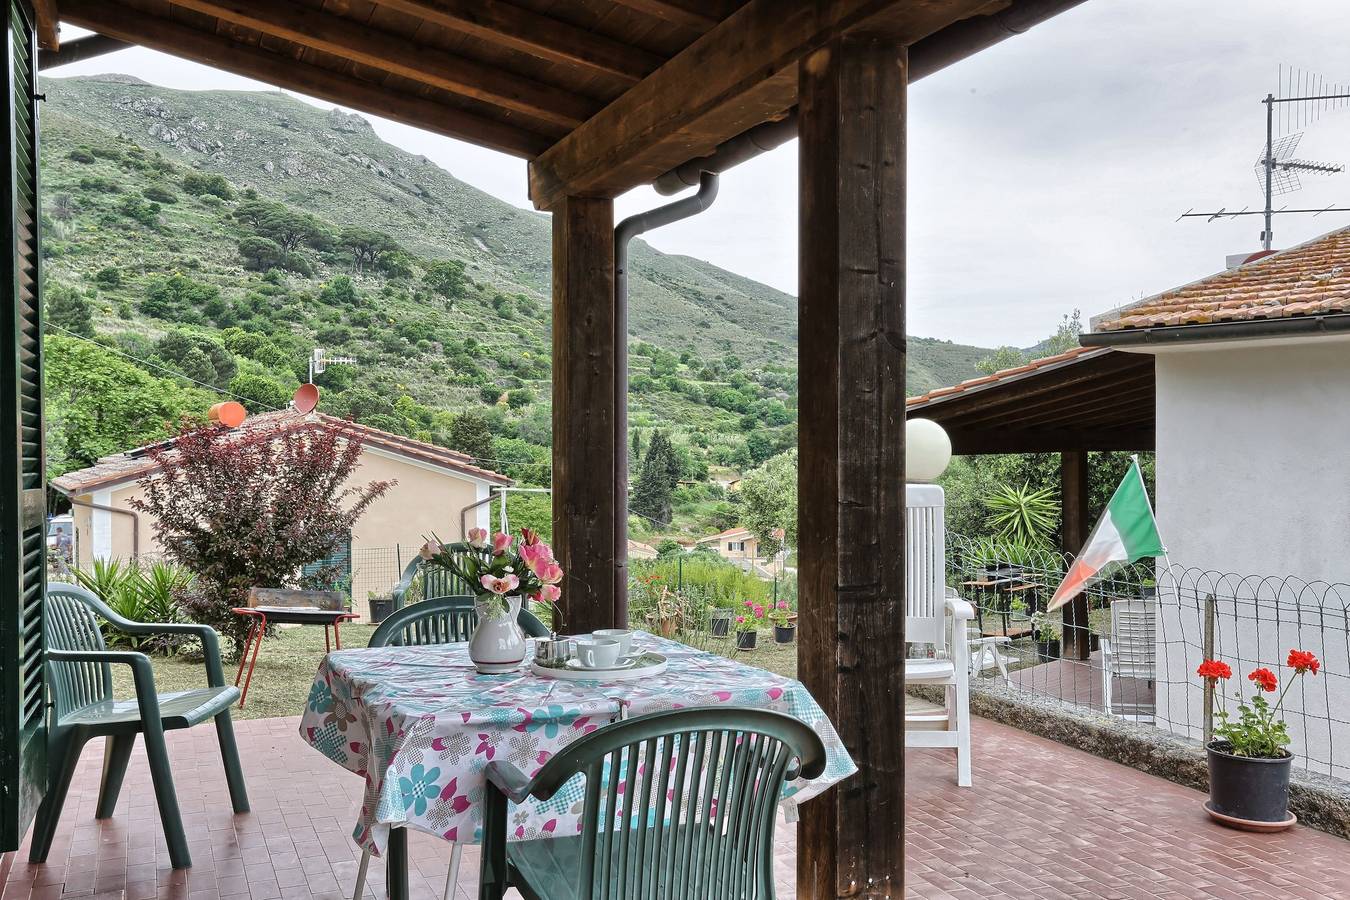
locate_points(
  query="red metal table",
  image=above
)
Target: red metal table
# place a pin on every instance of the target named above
(283, 615)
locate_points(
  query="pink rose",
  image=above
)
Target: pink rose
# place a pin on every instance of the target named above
(740, 620)
(504, 585)
(534, 555)
(550, 593)
(528, 537)
(501, 542)
(429, 549)
(748, 603)
(759, 612)
(549, 573)
(478, 537)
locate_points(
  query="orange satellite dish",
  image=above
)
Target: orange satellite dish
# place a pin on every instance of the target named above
(306, 398)
(230, 414)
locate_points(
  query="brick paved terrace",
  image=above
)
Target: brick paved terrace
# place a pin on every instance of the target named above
(1042, 821)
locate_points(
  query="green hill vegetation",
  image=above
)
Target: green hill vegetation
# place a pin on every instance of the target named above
(205, 243)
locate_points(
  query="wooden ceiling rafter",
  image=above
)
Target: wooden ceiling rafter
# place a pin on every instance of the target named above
(135, 25)
(47, 24)
(400, 55)
(686, 15)
(544, 37)
(737, 75)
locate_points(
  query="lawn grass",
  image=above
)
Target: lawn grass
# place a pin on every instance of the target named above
(288, 662)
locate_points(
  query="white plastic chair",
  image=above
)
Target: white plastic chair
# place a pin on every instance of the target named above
(936, 617)
(1131, 650)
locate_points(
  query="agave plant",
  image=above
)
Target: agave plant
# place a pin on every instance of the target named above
(141, 595)
(1023, 515)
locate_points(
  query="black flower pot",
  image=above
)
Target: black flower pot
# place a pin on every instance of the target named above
(745, 640)
(1047, 650)
(783, 634)
(718, 626)
(380, 608)
(1246, 789)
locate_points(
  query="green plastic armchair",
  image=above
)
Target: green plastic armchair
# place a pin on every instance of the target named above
(678, 804)
(79, 667)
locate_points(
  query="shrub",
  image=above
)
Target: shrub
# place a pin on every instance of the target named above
(490, 394)
(251, 510)
(160, 194)
(80, 155)
(519, 398)
(172, 297)
(200, 184)
(259, 392)
(141, 594)
(99, 184)
(67, 308)
(108, 277)
(140, 211)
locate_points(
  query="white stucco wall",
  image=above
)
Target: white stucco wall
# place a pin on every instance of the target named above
(1253, 478)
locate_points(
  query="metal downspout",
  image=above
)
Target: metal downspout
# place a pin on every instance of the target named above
(135, 520)
(628, 229)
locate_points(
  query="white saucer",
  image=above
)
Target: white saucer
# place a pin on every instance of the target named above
(626, 662)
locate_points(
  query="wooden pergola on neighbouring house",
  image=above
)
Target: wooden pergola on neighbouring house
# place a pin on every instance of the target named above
(1088, 398)
(602, 96)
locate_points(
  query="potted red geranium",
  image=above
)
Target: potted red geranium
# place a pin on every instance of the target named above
(1248, 763)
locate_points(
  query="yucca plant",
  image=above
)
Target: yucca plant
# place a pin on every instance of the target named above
(1022, 515)
(158, 589)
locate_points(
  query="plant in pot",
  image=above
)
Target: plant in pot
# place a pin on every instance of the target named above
(664, 615)
(719, 620)
(1248, 763)
(1046, 635)
(747, 625)
(1148, 589)
(784, 629)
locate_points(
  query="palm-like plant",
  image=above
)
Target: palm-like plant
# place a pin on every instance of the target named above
(1023, 514)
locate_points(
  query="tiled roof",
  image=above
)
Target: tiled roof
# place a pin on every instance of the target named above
(975, 384)
(721, 535)
(120, 468)
(1307, 280)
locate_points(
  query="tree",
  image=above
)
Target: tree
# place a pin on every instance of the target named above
(68, 309)
(171, 297)
(366, 246)
(1065, 337)
(243, 510)
(98, 403)
(469, 434)
(1000, 359)
(660, 472)
(769, 502)
(290, 228)
(261, 253)
(259, 393)
(445, 277)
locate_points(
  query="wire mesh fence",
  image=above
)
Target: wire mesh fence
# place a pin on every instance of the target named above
(1147, 629)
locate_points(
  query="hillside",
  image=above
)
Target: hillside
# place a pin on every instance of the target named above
(207, 242)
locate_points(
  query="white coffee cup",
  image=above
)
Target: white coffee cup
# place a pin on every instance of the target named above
(622, 635)
(598, 653)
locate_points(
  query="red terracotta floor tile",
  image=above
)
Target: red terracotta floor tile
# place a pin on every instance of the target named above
(1042, 822)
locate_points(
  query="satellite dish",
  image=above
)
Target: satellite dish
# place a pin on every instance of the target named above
(305, 399)
(230, 414)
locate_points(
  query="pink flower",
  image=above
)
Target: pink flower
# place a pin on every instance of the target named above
(528, 537)
(501, 542)
(759, 612)
(748, 603)
(782, 604)
(478, 537)
(429, 549)
(504, 585)
(549, 573)
(535, 555)
(549, 593)
(740, 620)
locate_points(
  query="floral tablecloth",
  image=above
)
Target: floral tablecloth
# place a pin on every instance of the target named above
(420, 725)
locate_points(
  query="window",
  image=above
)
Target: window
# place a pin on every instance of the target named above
(735, 546)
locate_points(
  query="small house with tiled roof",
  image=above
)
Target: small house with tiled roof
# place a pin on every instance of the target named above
(1252, 414)
(437, 490)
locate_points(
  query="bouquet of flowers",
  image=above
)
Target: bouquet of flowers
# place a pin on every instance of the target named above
(1258, 731)
(501, 567)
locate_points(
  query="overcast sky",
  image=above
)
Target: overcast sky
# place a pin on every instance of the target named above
(1045, 173)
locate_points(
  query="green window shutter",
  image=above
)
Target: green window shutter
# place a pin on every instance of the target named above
(23, 507)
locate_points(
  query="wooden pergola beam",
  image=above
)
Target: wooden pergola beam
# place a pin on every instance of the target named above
(47, 24)
(686, 15)
(1052, 440)
(401, 56)
(1074, 502)
(138, 27)
(78, 50)
(541, 36)
(739, 74)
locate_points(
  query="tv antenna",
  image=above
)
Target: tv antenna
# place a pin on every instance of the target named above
(319, 361)
(1304, 97)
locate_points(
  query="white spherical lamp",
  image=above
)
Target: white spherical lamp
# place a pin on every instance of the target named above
(928, 450)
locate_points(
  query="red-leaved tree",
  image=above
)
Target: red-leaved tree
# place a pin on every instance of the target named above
(244, 509)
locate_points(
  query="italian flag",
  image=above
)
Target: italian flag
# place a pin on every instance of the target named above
(1127, 531)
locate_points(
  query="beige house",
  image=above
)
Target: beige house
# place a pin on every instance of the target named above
(438, 491)
(735, 544)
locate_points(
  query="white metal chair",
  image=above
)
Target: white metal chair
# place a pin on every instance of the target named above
(936, 617)
(1131, 650)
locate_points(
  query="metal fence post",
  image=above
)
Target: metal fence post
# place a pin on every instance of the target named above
(679, 573)
(1208, 651)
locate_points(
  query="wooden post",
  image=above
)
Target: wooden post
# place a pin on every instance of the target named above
(583, 410)
(851, 484)
(1073, 488)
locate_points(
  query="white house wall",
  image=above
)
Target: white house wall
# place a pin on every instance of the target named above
(1253, 478)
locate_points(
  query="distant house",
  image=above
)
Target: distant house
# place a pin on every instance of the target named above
(639, 550)
(735, 544)
(435, 488)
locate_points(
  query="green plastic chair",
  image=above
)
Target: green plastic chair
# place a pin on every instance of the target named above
(79, 672)
(641, 834)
